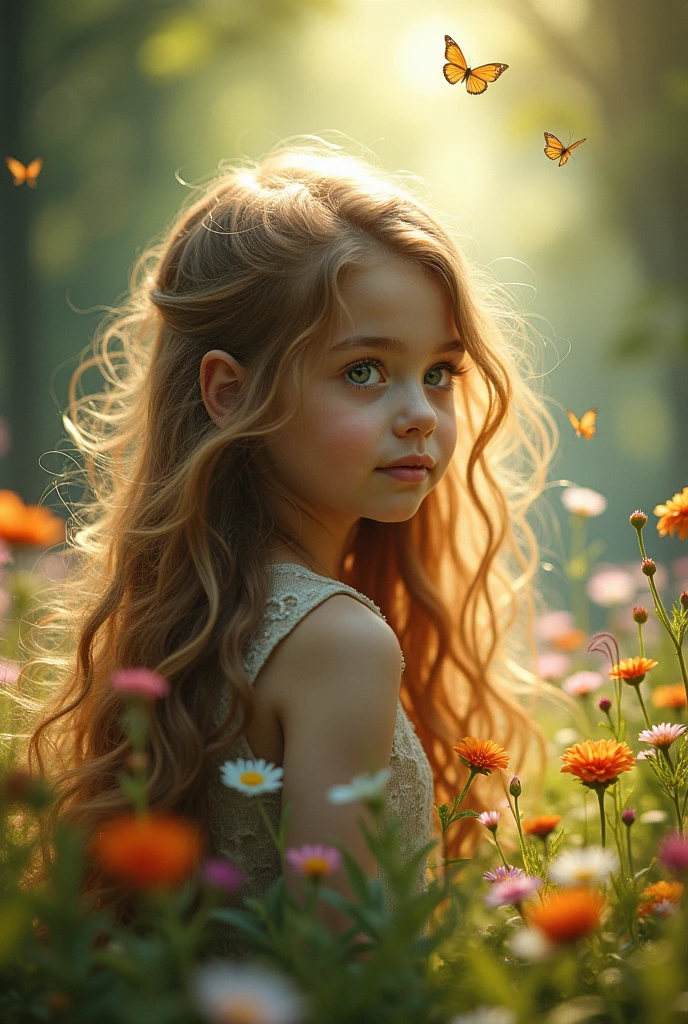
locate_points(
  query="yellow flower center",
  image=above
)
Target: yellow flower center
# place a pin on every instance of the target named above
(251, 778)
(315, 866)
(585, 874)
(239, 1010)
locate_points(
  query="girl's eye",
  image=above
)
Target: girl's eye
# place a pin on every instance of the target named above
(453, 369)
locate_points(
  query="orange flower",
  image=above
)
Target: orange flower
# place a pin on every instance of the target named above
(571, 640)
(674, 515)
(28, 524)
(669, 696)
(482, 756)
(567, 915)
(540, 826)
(632, 670)
(598, 762)
(155, 850)
(657, 893)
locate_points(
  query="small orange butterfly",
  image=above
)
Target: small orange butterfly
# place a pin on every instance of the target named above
(585, 426)
(556, 150)
(23, 174)
(457, 70)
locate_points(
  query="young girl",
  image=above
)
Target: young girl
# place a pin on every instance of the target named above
(306, 324)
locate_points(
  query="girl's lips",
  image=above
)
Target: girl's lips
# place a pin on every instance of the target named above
(410, 474)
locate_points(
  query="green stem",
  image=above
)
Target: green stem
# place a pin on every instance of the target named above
(630, 855)
(517, 817)
(636, 687)
(603, 822)
(504, 861)
(459, 800)
(661, 612)
(640, 640)
(268, 825)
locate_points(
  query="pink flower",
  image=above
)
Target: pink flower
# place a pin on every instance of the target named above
(610, 585)
(581, 683)
(644, 755)
(142, 681)
(513, 890)
(552, 666)
(581, 501)
(502, 874)
(222, 874)
(552, 625)
(9, 673)
(663, 735)
(314, 861)
(673, 852)
(489, 819)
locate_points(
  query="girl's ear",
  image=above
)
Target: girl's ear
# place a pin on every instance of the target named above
(222, 376)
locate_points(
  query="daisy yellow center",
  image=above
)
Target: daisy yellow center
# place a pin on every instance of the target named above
(585, 874)
(316, 866)
(251, 778)
(239, 1010)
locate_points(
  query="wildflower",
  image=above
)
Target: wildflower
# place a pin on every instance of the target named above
(683, 598)
(565, 737)
(610, 585)
(530, 944)
(628, 816)
(515, 786)
(568, 915)
(246, 993)
(503, 874)
(665, 908)
(673, 696)
(632, 670)
(648, 566)
(587, 866)
(674, 515)
(663, 735)
(486, 1015)
(35, 525)
(658, 892)
(252, 777)
(552, 665)
(552, 625)
(582, 501)
(141, 681)
(570, 641)
(9, 673)
(155, 850)
(640, 613)
(489, 819)
(222, 874)
(581, 683)
(481, 756)
(314, 861)
(638, 519)
(654, 817)
(598, 762)
(673, 852)
(541, 825)
(362, 787)
(604, 704)
(512, 891)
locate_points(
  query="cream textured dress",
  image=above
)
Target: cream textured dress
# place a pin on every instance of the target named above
(236, 828)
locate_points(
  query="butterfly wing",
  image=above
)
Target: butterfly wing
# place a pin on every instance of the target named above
(575, 422)
(478, 78)
(553, 147)
(567, 152)
(33, 170)
(17, 170)
(455, 70)
(587, 423)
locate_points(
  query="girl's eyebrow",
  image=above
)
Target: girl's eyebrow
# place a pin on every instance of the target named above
(390, 344)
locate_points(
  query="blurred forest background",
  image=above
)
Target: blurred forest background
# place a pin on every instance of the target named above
(123, 97)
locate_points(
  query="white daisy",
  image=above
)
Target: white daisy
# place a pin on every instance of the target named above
(530, 944)
(362, 787)
(226, 992)
(252, 777)
(583, 867)
(653, 817)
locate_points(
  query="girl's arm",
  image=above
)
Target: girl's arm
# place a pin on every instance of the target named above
(339, 694)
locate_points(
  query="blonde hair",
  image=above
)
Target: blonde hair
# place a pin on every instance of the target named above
(170, 544)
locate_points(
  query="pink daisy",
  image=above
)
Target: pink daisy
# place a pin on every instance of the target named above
(502, 874)
(314, 861)
(662, 735)
(581, 683)
(512, 890)
(142, 681)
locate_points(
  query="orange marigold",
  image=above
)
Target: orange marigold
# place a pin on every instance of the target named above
(673, 696)
(149, 851)
(28, 524)
(541, 825)
(571, 640)
(567, 915)
(598, 762)
(632, 670)
(482, 756)
(674, 515)
(657, 893)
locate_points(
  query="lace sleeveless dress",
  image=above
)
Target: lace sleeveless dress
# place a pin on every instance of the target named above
(236, 829)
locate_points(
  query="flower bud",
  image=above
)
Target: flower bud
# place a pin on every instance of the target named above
(604, 703)
(638, 519)
(684, 599)
(648, 566)
(515, 786)
(628, 816)
(640, 613)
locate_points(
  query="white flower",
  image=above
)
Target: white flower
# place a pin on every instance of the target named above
(583, 502)
(486, 1015)
(665, 908)
(662, 735)
(530, 944)
(252, 777)
(654, 817)
(583, 867)
(362, 787)
(565, 737)
(644, 755)
(226, 992)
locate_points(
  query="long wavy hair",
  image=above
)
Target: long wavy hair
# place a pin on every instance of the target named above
(169, 545)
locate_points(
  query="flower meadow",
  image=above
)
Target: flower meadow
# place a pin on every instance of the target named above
(572, 907)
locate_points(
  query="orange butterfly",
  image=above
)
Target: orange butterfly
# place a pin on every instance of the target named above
(585, 426)
(556, 150)
(457, 70)
(23, 174)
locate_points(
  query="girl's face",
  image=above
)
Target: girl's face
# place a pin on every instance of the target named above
(370, 404)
